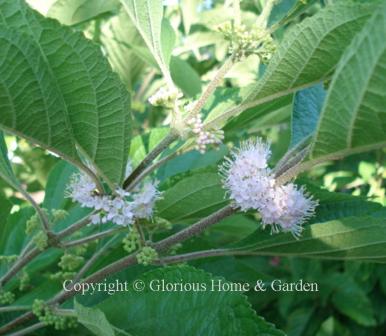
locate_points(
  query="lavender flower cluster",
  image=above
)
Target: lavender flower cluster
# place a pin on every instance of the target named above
(251, 185)
(122, 208)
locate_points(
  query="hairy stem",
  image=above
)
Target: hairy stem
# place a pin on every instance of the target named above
(28, 330)
(152, 168)
(42, 215)
(165, 143)
(74, 227)
(18, 265)
(14, 308)
(100, 252)
(262, 20)
(195, 255)
(214, 83)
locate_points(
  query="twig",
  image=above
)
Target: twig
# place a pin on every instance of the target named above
(42, 215)
(195, 255)
(28, 330)
(214, 83)
(262, 20)
(74, 227)
(18, 265)
(152, 168)
(13, 308)
(93, 237)
(168, 140)
(101, 251)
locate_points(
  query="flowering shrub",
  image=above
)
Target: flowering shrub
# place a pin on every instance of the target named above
(147, 145)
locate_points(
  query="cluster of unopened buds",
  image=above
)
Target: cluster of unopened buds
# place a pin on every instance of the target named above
(204, 138)
(252, 186)
(165, 97)
(245, 41)
(122, 208)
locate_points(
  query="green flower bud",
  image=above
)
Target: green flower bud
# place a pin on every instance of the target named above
(59, 215)
(70, 262)
(147, 255)
(24, 281)
(41, 240)
(132, 240)
(6, 297)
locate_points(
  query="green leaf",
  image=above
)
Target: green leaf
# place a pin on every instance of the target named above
(71, 12)
(58, 91)
(307, 55)
(256, 114)
(200, 312)
(56, 186)
(12, 232)
(192, 198)
(94, 320)
(147, 16)
(334, 205)
(354, 116)
(6, 172)
(305, 115)
(185, 77)
(124, 46)
(350, 299)
(351, 238)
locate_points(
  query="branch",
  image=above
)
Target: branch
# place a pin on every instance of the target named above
(28, 330)
(195, 255)
(131, 260)
(159, 247)
(18, 265)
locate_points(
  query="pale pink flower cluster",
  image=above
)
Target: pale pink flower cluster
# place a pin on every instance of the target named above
(204, 138)
(251, 185)
(122, 208)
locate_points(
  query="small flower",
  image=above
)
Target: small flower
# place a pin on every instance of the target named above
(95, 219)
(81, 190)
(122, 192)
(144, 201)
(165, 96)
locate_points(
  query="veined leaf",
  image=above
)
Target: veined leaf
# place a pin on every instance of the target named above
(58, 91)
(193, 197)
(94, 320)
(147, 16)
(307, 55)
(230, 313)
(124, 46)
(351, 238)
(185, 77)
(354, 115)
